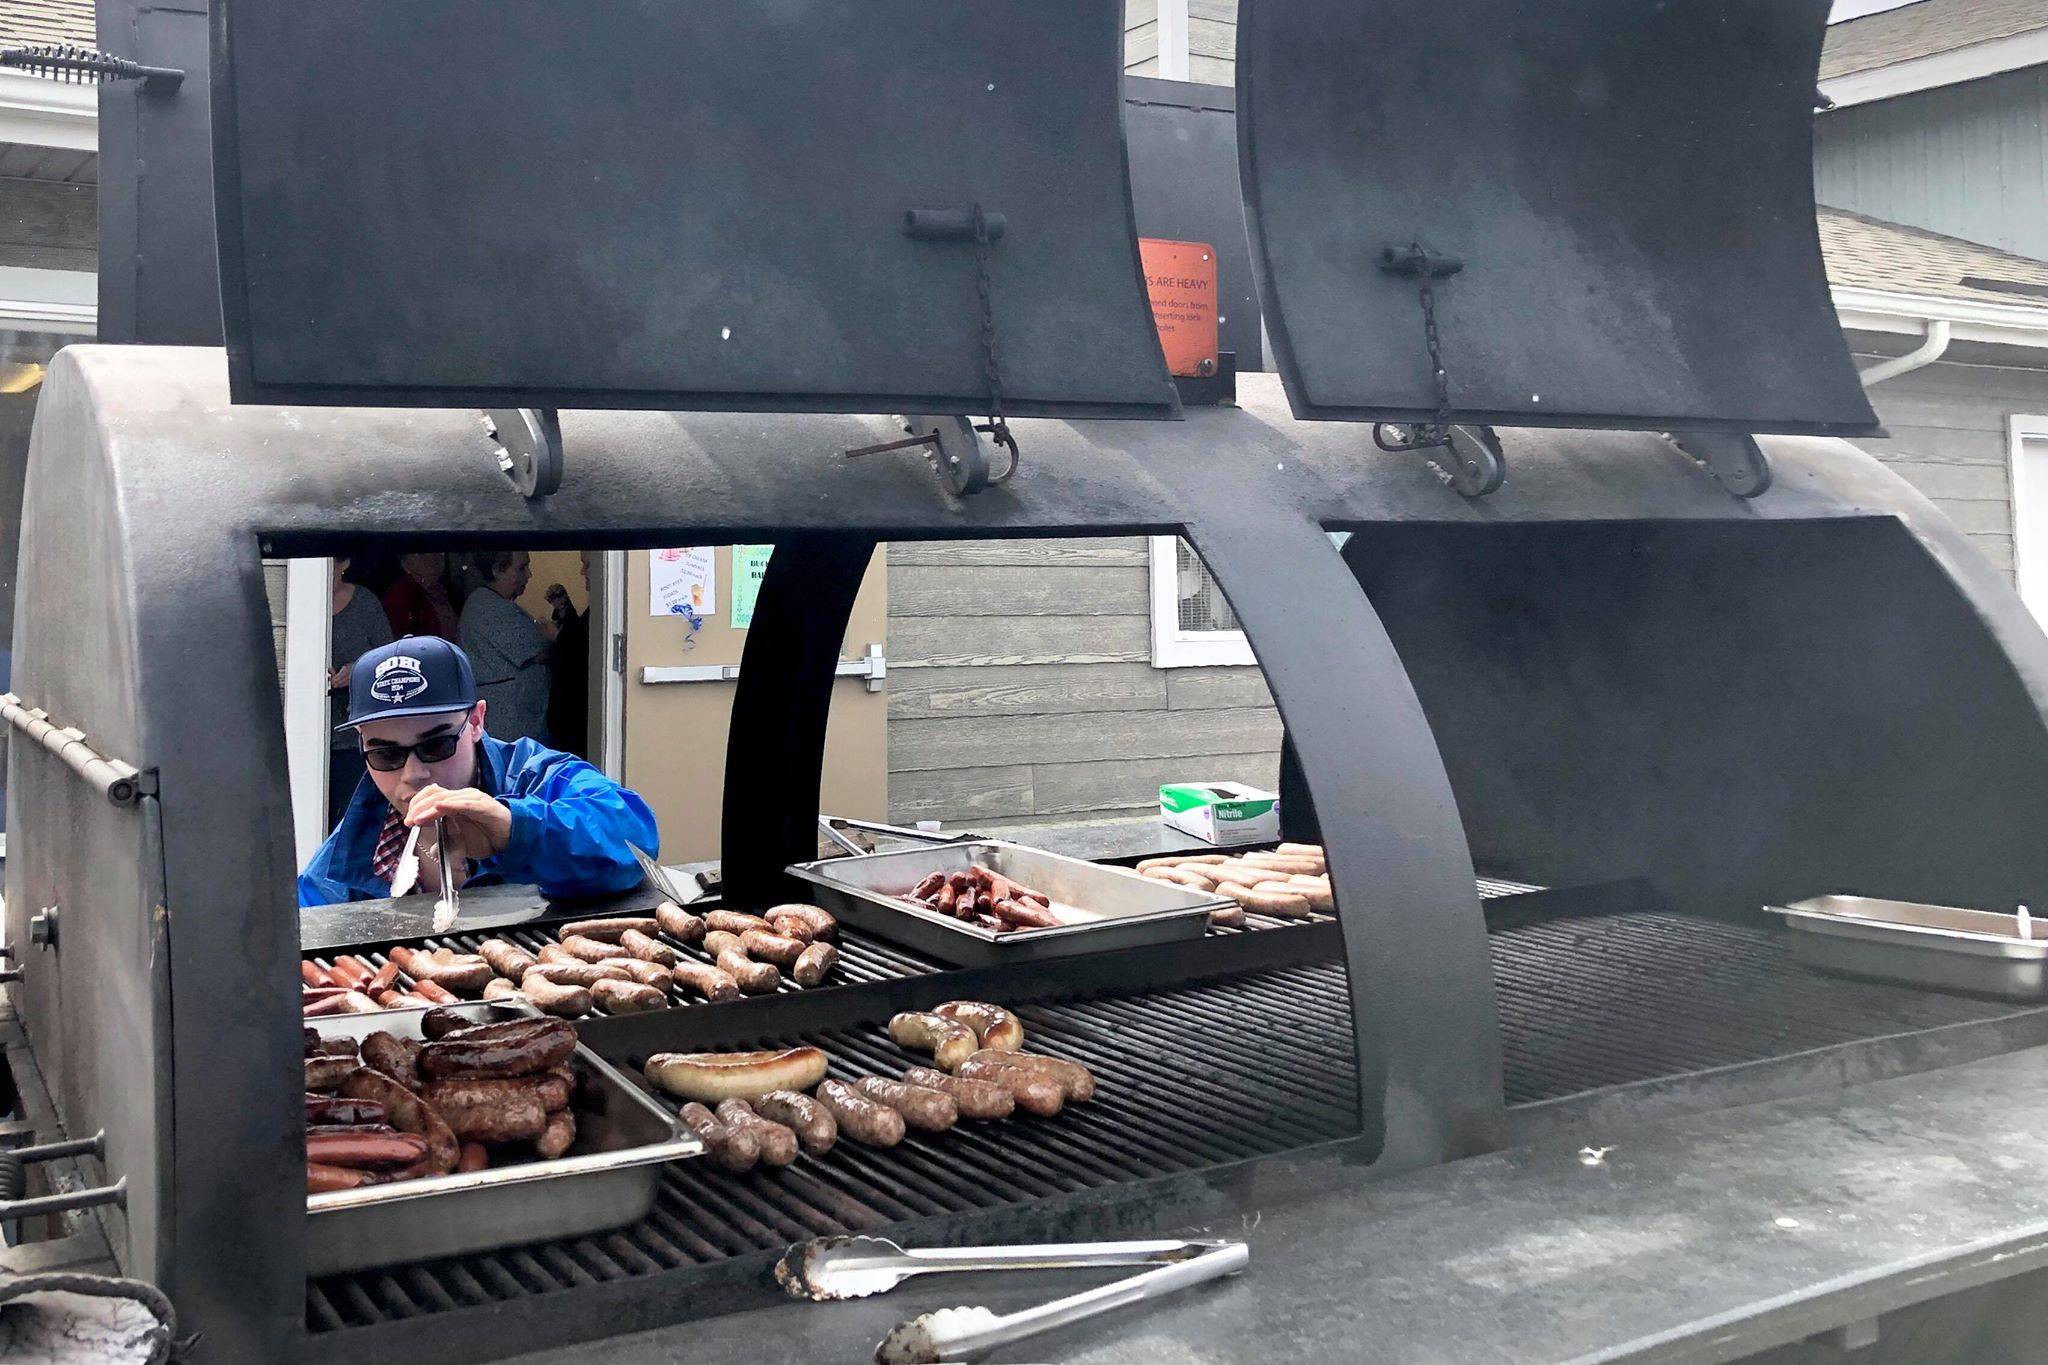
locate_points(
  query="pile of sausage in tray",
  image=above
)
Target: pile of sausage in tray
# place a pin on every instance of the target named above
(980, 895)
(621, 965)
(466, 1097)
(1288, 882)
(762, 1107)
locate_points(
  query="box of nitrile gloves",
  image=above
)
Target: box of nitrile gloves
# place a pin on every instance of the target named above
(1221, 812)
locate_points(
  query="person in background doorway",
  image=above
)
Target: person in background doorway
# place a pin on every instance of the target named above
(569, 690)
(509, 648)
(359, 626)
(418, 601)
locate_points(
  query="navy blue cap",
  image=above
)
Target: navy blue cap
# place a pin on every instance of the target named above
(416, 676)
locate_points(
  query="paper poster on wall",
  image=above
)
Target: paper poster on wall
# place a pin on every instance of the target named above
(682, 582)
(749, 563)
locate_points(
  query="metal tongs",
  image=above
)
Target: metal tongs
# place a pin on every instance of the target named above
(450, 904)
(858, 1267)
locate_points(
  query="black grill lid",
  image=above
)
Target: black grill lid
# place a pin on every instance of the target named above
(1627, 186)
(677, 203)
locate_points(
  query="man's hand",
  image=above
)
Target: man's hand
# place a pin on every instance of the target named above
(477, 827)
(338, 679)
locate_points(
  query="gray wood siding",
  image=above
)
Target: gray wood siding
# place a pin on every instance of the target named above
(1969, 160)
(1212, 40)
(1021, 688)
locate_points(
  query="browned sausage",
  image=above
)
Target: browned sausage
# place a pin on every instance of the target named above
(475, 1157)
(1229, 917)
(1035, 1093)
(463, 974)
(475, 1114)
(323, 1179)
(501, 989)
(811, 1121)
(538, 1045)
(628, 997)
(579, 973)
(733, 922)
(995, 1026)
(358, 1149)
(606, 930)
(976, 1099)
(928, 1111)
(860, 1118)
(1024, 914)
(640, 972)
(443, 1020)
(946, 899)
(733, 1148)
(555, 1139)
(561, 999)
(707, 981)
(812, 917)
(334, 1047)
(392, 1056)
(327, 1073)
(755, 978)
(647, 949)
(777, 1144)
(815, 963)
(929, 886)
(949, 1043)
(551, 1089)
(678, 923)
(327, 1109)
(507, 959)
(764, 945)
(408, 1114)
(1076, 1082)
(588, 949)
(717, 941)
(715, 1076)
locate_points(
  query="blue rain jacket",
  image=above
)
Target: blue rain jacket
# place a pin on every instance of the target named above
(570, 829)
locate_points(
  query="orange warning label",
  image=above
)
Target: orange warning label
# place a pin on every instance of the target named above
(1180, 277)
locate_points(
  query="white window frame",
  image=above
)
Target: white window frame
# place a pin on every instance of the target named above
(1173, 647)
(2029, 512)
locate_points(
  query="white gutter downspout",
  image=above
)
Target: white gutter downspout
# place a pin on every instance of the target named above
(1926, 353)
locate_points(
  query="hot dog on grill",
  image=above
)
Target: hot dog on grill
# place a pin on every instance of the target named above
(736, 1149)
(776, 1143)
(508, 960)
(815, 963)
(607, 930)
(866, 1121)
(715, 1076)
(647, 949)
(811, 1121)
(678, 923)
(628, 997)
(976, 1099)
(949, 1043)
(408, 1113)
(995, 1026)
(323, 1179)
(1034, 1092)
(1076, 1082)
(705, 980)
(360, 1149)
(928, 1111)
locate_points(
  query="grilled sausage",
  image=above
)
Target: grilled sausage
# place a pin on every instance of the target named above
(715, 1076)
(334, 1047)
(929, 886)
(390, 1055)
(707, 981)
(678, 923)
(812, 917)
(327, 1109)
(777, 1143)
(507, 959)
(537, 1045)
(435, 993)
(556, 1138)
(733, 922)
(1282, 862)
(360, 1129)
(359, 1149)
(501, 989)
(764, 945)
(1076, 1082)
(717, 941)
(946, 899)
(1024, 914)
(639, 971)
(481, 1111)
(811, 1121)
(1034, 1092)
(607, 930)
(324, 1179)
(313, 974)
(462, 974)
(755, 978)
(550, 1089)
(564, 1000)
(475, 1157)
(735, 1149)
(588, 949)
(408, 1114)
(441, 1021)
(1179, 860)
(995, 1026)
(579, 973)
(628, 997)
(328, 1073)
(814, 963)
(647, 949)
(976, 1099)
(1317, 890)
(949, 1043)
(928, 1111)
(1229, 917)
(866, 1121)
(352, 972)
(1279, 904)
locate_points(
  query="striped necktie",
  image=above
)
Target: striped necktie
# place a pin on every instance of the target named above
(390, 844)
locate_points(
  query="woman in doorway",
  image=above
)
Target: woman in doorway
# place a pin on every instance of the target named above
(418, 600)
(359, 626)
(508, 647)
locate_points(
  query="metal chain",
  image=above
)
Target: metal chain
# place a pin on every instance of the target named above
(998, 427)
(1440, 434)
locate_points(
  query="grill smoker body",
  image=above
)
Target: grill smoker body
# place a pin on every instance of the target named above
(167, 1011)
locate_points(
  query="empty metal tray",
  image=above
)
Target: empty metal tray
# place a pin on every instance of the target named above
(1109, 907)
(608, 1178)
(1941, 946)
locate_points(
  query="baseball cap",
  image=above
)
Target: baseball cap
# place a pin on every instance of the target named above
(416, 676)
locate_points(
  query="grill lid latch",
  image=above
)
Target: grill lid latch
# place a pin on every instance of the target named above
(1734, 458)
(529, 448)
(1468, 458)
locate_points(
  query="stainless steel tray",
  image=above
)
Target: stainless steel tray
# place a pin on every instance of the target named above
(1941, 946)
(1111, 907)
(608, 1178)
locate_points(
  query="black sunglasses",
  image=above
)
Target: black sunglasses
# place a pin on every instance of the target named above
(389, 758)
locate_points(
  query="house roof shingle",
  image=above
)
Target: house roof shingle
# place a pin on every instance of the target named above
(1924, 29)
(46, 21)
(1869, 253)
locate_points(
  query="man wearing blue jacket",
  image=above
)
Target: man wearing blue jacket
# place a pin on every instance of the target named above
(511, 812)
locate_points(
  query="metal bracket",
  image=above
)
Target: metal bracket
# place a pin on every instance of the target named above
(871, 667)
(121, 783)
(1733, 458)
(529, 448)
(1469, 459)
(14, 1179)
(953, 448)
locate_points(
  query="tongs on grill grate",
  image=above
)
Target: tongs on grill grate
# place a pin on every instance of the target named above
(858, 1267)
